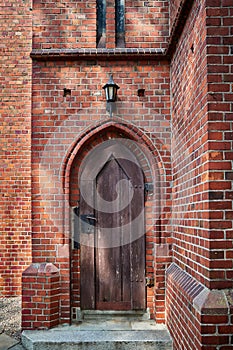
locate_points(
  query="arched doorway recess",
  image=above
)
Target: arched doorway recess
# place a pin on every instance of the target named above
(109, 158)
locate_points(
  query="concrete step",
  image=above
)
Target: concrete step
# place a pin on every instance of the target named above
(110, 335)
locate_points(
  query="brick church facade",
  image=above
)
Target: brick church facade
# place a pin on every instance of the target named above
(173, 63)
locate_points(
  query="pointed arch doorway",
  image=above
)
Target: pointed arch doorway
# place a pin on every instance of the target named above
(111, 229)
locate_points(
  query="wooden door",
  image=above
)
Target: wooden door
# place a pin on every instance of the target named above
(113, 265)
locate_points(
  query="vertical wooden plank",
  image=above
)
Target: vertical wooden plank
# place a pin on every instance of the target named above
(125, 215)
(87, 272)
(138, 245)
(108, 269)
(138, 275)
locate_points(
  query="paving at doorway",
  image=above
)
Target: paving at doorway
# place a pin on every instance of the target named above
(101, 334)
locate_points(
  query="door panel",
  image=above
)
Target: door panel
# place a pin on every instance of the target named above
(112, 276)
(113, 265)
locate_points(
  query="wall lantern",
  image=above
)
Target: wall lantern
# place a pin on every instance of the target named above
(111, 94)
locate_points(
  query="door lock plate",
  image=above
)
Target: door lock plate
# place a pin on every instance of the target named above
(87, 223)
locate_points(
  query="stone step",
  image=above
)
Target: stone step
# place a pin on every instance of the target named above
(6, 341)
(117, 315)
(18, 346)
(85, 338)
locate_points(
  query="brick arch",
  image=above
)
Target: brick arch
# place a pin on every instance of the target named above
(154, 163)
(96, 140)
(105, 130)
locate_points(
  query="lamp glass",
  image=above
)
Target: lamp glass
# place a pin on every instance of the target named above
(111, 90)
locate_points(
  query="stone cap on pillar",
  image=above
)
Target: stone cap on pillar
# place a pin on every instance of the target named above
(41, 269)
(211, 302)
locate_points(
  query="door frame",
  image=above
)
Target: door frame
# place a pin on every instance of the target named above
(88, 173)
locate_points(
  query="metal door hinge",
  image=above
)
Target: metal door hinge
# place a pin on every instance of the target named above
(149, 187)
(87, 223)
(150, 282)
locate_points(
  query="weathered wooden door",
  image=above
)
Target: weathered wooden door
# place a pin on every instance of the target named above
(113, 246)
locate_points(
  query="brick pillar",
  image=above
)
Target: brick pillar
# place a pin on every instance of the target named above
(161, 263)
(40, 296)
(110, 24)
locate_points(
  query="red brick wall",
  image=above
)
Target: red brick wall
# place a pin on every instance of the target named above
(64, 25)
(174, 9)
(147, 23)
(190, 149)
(59, 122)
(220, 133)
(199, 312)
(202, 148)
(72, 24)
(15, 130)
